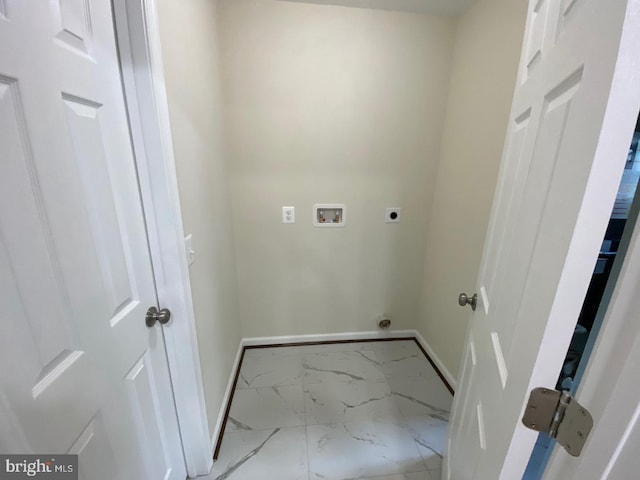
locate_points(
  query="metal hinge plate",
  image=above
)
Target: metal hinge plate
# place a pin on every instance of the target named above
(560, 416)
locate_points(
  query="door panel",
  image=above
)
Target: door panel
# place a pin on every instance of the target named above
(462, 426)
(143, 396)
(96, 459)
(85, 128)
(55, 332)
(508, 204)
(564, 155)
(537, 27)
(87, 375)
(611, 451)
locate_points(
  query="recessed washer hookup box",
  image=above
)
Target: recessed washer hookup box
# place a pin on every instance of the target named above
(44, 467)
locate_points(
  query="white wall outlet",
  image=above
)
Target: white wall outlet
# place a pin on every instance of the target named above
(188, 247)
(393, 215)
(288, 215)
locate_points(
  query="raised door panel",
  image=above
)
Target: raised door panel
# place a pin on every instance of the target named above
(535, 41)
(140, 382)
(85, 130)
(40, 337)
(96, 459)
(72, 24)
(75, 270)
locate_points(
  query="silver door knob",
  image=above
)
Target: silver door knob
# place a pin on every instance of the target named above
(153, 315)
(463, 300)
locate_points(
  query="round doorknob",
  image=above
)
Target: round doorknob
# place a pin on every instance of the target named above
(153, 315)
(464, 299)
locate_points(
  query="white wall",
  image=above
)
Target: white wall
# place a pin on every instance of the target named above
(485, 60)
(328, 104)
(190, 56)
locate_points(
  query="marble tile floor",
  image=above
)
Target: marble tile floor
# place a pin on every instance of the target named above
(366, 410)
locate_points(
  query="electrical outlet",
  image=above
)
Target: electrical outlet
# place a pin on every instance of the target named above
(393, 215)
(288, 215)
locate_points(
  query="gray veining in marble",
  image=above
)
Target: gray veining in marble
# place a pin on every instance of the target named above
(285, 407)
(249, 455)
(430, 436)
(339, 402)
(340, 367)
(426, 475)
(272, 371)
(417, 398)
(361, 449)
(369, 410)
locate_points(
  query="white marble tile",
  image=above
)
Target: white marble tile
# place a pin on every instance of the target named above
(361, 449)
(272, 351)
(392, 345)
(330, 367)
(341, 402)
(272, 371)
(321, 348)
(421, 396)
(334, 347)
(434, 466)
(426, 475)
(404, 359)
(270, 454)
(266, 408)
(360, 423)
(430, 434)
(380, 344)
(354, 346)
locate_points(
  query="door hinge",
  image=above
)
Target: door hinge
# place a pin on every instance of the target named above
(560, 416)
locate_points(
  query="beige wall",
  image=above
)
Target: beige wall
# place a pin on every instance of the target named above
(485, 60)
(329, 104)
(189, 47)
(332, 104)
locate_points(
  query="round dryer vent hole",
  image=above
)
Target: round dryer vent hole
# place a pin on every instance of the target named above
(384, 321)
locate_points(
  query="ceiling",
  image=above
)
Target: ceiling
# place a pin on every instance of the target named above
(437, 7)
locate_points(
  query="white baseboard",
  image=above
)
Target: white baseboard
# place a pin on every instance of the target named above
(445, 372)
(225, 400)
(327, 337)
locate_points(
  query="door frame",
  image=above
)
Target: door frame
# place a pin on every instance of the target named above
(138, 35)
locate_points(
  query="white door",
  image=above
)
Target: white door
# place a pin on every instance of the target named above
(573, 113)
(81, 372)
(610, 387)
